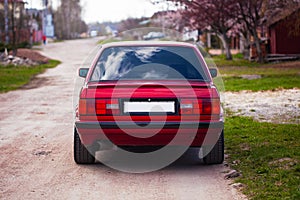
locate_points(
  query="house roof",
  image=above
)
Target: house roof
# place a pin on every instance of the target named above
(282, 14)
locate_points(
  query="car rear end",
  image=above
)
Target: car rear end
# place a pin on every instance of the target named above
(142, 94)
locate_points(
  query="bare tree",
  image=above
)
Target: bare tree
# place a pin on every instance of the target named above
(13, 23)
(67, 20)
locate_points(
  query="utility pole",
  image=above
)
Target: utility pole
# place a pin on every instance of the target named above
(6, 21)
(14, 28)
(45, 13)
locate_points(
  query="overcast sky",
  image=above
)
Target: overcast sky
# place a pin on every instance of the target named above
(110, 10)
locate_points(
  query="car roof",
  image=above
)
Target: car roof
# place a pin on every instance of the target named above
(147, 43)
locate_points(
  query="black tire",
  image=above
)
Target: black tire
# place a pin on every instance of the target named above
(81, 154)
(216, 155)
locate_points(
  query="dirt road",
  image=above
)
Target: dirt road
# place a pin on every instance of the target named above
(36, 142)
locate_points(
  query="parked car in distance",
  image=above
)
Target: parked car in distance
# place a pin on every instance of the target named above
(154, 35)
(153, 84)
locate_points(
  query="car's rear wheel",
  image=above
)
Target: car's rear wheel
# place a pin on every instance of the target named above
(81, 154)
(216, 155)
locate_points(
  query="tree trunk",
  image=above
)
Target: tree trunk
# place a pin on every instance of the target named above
(225, 41)
(6, 29)
(245, 45)
(13, 24)
(260, 56)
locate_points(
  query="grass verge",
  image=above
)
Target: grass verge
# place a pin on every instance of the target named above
(109, 40)
(237, 60)
(267, 82)
(275, 76)
(268, 155)
(13, 77)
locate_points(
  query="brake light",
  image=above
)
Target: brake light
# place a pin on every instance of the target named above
(211, 107)
(101, 107)
(199, 106)
(98, 107)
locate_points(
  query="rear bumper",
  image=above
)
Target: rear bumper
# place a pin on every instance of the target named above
(186, 133)
(152, 125)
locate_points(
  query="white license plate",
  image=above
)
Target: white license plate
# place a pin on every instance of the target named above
(149, 107)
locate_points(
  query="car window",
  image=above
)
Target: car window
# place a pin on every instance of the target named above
(148, 63)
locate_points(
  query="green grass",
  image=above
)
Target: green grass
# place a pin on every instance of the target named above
(14, 77)
(267, 82)
(109, 40)
(290, 68)
(273, 76)
(237, 61)
(268, 156)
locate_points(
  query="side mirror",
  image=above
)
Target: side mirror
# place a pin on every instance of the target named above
(82, 72)
(213, 72)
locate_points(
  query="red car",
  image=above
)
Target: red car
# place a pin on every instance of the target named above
(147, 94)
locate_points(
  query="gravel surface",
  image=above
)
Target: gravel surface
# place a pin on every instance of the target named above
(282, 106)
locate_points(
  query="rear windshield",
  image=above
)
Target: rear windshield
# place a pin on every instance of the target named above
(148, 63)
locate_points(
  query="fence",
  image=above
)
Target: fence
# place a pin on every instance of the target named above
(23, 35)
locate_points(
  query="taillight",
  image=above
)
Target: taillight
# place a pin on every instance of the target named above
(199, 107)
(190, 106)
(211, 107)
(82, 107)
(112, 107)
(99, 107)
